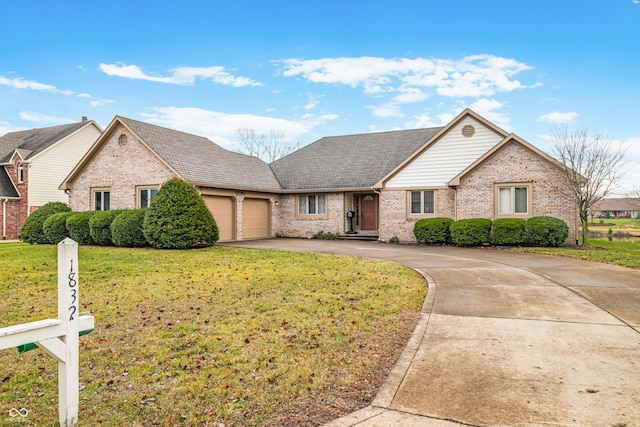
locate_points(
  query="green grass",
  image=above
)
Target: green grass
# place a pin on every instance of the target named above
(624, 223)
(207, 336)
(625, 254)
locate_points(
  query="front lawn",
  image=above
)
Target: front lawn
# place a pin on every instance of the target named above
(210, 336)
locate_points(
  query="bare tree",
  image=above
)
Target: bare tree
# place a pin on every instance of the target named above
(592, 165)
(267, 147)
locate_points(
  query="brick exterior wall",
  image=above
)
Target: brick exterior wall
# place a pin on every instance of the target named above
(286, 224)
(513, 163)
(394, 221)
(475, 196)
(17, 211)
(120, 168)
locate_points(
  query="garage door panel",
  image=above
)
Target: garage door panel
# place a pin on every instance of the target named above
(222, 210)
(255, 218)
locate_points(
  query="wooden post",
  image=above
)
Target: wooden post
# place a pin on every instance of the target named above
(59, 337)
(68, 312)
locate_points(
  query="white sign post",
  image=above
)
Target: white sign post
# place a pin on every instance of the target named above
(59, 337)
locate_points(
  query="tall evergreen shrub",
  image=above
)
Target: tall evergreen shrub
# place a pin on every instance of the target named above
(178, 218)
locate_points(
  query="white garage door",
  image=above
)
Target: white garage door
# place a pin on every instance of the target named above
(255, 218)
(222, 210)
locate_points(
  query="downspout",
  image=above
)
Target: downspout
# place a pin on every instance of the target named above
(4, 219)
(455, 203)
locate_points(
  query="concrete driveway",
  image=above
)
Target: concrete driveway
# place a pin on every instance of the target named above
(507, 339)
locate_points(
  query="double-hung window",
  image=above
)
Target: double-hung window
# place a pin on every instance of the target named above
(513, 200)
(101, 200)
(312, 204)
(20, 173)
(145, 196)
(422, 202)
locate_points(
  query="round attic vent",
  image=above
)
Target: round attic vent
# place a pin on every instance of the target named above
(122, 140)
(468, 131)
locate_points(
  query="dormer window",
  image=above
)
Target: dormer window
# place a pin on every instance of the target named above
(20, 173)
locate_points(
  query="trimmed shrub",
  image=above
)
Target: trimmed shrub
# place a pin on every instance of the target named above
(55, 227)
(432, 231)
(178, 218)
(509, 231)
(470, 232)
(100, 227)
(126, 229)
(546, 231)
(78, 226)
(32, 229)
(325, 236)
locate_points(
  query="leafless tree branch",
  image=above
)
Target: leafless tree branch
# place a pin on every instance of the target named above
(268, 147)
(592, 165)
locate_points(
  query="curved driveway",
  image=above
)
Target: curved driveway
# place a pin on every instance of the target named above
(507, 339)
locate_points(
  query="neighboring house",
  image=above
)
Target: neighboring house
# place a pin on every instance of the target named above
(469, 168)
(34, 162)
(616, 208)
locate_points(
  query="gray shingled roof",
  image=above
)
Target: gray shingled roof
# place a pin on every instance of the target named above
(7, 189)
(200, 161)
(33, 141)
(350, 161)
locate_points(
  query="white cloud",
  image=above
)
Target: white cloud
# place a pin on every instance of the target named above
(34, 116)
(385, 110)
(180, 75)
(222, 128)
(410, 95)
(20, 83)
(471, 76)
(425, 121)
(556, 117)
(100, 102)
(487, 109)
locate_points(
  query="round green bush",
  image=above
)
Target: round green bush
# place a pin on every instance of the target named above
(32, 229)
(509, 231)
(78, 226)
(55, 227)
(178, 218)
(470, 232)
(126, 229)
(432, 231)
(546, 231)
(100, 227)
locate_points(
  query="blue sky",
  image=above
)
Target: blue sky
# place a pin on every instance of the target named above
(311, 69)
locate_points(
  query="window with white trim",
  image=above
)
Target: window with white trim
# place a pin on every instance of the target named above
(20, 173)
(312, 204)
(146, 195)
(422, 202)
(513, 200)
(101, 200)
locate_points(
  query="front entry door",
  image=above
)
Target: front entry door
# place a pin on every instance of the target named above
(369, 212)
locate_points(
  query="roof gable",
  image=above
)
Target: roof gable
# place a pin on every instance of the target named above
(509, 138)
(349, 161)
(444, 155)
(32, 142)
(193, 158)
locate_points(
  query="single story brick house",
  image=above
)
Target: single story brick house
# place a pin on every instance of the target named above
(384, 181)
(34, 162)
(621, 207)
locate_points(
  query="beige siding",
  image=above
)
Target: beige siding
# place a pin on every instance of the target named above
(445, 159)
(119, 168)
(48, 169)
